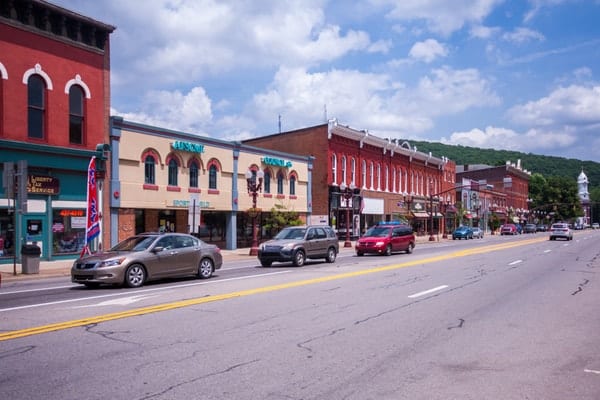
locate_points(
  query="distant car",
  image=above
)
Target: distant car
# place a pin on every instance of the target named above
(477, 233)
(509, 229)
(561, 230)
(541, 228)
(530, 228)
(386, 239)
(595, 225)
(148, 256)
(462, 232)
(298, 243)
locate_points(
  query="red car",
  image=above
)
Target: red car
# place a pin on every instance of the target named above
(509, 229)
(386, 239)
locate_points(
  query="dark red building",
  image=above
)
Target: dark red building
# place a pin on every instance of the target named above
(360, 179)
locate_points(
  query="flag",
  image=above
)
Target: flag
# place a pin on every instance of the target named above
(92, 225)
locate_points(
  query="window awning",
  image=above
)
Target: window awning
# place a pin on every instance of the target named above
(421, 215)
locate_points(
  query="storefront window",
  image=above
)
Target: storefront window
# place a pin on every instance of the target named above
(68, 230)
(6, 233)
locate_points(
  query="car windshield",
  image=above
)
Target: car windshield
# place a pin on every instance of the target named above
(291, 233)
(377, 232)
(135, 243)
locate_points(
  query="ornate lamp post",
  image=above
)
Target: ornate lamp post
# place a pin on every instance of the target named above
(347, 192)
(254, 187)
(431, 237)
(444, 211)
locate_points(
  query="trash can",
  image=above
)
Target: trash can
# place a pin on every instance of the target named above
(30, 259)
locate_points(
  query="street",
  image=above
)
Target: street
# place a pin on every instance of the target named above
(498, 318)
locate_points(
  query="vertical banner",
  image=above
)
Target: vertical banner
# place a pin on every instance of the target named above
(92, 226)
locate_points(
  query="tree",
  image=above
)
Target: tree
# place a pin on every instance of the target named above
(279, 218)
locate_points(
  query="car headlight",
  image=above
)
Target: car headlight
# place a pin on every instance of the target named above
(288, 246)
(379, 243)
(112, 262)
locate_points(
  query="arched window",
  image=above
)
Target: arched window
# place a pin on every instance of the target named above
(36, 107)
(149, 169)
(212, 177)
(267, 182)
(76, 115)
(364, 174)
(393, 180)
(353, 171)
(371, 175)
(292, 185)
(173, 168)
(334, 169)
(343, 171)
(387, 179)
(279, 183)
(194, 174)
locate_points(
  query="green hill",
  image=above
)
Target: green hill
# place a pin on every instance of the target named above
(545, 165)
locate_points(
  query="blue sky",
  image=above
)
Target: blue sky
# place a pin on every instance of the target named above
(517, 75)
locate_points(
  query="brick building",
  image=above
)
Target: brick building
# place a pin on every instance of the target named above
(360, 179)
(54, 109)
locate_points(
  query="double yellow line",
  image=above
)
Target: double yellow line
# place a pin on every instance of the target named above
(201, 300)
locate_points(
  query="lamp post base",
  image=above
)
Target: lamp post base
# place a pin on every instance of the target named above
(253, 251)
(347, 243)
(431, 238)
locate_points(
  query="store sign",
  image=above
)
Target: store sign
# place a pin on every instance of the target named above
(188, 146)
(72, 213)
(37, 184)
(187, 203)
(277, 162)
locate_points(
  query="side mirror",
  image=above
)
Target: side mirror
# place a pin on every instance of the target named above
(158, 249)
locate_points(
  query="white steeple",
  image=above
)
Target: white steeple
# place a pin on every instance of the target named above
(582, 185)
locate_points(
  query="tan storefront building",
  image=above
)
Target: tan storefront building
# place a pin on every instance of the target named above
(165, 180)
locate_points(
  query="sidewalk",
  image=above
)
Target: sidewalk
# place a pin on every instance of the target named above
(63, 267)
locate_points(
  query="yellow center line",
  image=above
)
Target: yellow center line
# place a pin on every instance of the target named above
(201, 300)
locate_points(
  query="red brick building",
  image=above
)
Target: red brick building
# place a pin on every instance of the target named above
(360, 179)
(54, 114)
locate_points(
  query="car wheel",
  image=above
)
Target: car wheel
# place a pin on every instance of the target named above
(265, 264)
(331, 255)
(206, 268)
(135, 276)
(388, 250)
(299, 258)
(360, 253)
(410, 248)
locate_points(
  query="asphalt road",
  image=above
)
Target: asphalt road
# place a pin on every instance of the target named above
(501, 318)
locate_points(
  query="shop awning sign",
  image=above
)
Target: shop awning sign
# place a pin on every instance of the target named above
(39, 184)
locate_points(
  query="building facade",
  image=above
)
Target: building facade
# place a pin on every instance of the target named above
(361, 179)
(54, 109)
(164, 180)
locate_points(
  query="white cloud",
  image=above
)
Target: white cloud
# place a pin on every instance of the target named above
(573, 105)
(483, 32)
(440, 16)
(522, 35)
(428, 50)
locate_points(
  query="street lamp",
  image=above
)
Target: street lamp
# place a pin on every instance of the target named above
(254, 188)
(347, 192)
(431, 237)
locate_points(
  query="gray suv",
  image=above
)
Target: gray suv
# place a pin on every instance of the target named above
(297, 243)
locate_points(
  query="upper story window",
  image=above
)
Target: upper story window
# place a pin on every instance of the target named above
(378, 177)
(387, 179)
(279, 183)
(76, 115)
(149, 169)
(267, 182)
(343, 171)
(194, 174)
(212, 177)
(36, 107)
(173, 170)
(353, 171)
(364, 173)
(393, 180)
(371, 175)
(292, 185)
(334, 169)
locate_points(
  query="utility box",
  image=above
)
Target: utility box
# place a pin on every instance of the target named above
(30, 259)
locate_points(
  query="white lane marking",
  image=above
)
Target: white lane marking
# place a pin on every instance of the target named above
(423, 293)
(145, 290)
(593, 371)
(39, 290)
(123, 301)
(547, 251)
(515, 262)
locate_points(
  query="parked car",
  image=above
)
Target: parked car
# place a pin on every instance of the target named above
(541, 228)
(148, 256)
(595, 225)
(530, 228)
(509, 229)
(561, 230)
(386, 239)
(298, 243)
(477, 233)
(462, 232)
